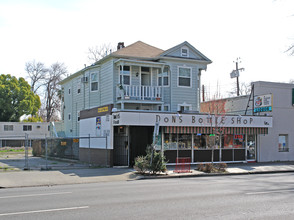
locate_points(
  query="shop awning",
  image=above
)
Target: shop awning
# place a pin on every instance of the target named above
(214, 130)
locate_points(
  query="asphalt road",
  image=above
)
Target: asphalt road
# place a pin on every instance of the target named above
(266, 196)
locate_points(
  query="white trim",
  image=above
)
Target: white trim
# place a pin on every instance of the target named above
(184, 67)
(184, 48)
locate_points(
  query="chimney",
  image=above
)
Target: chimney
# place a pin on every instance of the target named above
(120, 45)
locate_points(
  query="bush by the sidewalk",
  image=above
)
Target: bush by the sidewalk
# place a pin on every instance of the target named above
(212, 168)
(141, 164)
(153, 162)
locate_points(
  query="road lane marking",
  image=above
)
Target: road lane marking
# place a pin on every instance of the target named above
(268, 192)
(44, 210)
(31, 195)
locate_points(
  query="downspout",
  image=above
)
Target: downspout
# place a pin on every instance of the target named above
(199, 90)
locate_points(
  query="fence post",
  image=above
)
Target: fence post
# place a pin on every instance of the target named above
(89, 151)
(26, 153)
(106, 151)
(46, 151)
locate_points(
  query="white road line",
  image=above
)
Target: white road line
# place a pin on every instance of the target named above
(44, 210)
(268, 192)
(31, 195)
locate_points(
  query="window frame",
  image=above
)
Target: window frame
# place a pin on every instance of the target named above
(8, 127)
(187, 53)
(161, 76)
(184, 67)
(27, 128)
(286, 147)
(185, 105)
(92, 81)
(122, 74)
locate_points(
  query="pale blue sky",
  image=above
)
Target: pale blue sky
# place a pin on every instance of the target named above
(56, 30)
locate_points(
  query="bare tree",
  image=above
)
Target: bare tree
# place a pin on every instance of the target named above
(37, 72)
(52, 102)
(98, 52)
(244, 89)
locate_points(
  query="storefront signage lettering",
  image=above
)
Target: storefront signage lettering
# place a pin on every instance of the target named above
(207, 120)
(103, 109)
(196, 120)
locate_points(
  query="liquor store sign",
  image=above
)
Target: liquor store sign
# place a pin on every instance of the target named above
(263, 103)
(149, 119)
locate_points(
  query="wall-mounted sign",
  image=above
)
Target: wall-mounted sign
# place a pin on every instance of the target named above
(263, 103)
(98, 122)
(201, 120)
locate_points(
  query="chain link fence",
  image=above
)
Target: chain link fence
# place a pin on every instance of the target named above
(23, 152)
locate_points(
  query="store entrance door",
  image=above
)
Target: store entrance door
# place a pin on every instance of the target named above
(140, 138)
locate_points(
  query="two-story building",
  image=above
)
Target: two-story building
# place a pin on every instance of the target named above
(134, 91)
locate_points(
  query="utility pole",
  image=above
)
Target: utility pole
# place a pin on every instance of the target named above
(235, 73)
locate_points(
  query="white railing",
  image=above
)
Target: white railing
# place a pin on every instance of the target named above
(139, 92)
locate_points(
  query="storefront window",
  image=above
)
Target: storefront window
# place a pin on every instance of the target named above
(170, 141)
(185, 141)
(199, 141)
(233, 141)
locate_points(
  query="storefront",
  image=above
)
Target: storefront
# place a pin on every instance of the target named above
(200, 137)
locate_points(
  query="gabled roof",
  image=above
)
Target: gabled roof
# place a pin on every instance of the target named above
(138, 49)
(178, 47)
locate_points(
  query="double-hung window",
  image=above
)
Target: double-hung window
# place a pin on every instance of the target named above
(184, 76)
(163, 78)
(124, 75)
(94, 82)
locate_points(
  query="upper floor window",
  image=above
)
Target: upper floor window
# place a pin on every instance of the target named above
(79, 86)
(163, 78)
(184, 52)
(8, 127)
(94, 82)
(27, 127)
(124, 75)
(184, 107)
(78, 115)
(185, 76)
(69, 91)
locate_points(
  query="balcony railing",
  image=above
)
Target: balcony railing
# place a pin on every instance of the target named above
(132, 92)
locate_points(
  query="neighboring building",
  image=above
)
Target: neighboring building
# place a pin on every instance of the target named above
(266, 99)
(137, 90)
(12, 134)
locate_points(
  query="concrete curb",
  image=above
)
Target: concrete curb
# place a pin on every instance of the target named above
(141, 177)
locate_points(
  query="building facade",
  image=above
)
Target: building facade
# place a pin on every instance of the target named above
(141, 95)
(271, 99)
(13, 134)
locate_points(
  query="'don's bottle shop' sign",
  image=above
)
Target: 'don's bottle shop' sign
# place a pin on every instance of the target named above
(263, 103)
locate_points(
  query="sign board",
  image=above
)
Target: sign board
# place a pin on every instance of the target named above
(76, 140)
(98, 122)
(235, 73)
(194, 120)
(263, 103)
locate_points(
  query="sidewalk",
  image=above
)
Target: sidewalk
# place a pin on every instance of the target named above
(22, 178)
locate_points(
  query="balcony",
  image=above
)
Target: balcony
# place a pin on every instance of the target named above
(136, 92)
